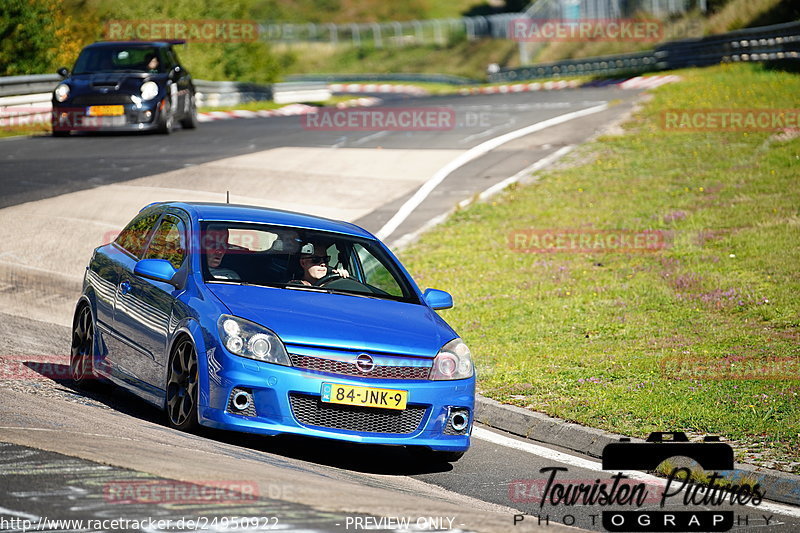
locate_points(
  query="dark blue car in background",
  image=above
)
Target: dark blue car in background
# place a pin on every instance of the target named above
(124, 86)
(202, 309)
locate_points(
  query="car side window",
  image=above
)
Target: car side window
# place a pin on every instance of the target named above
(168, 242)
(134, 237)
(169, 59)
(172, 58)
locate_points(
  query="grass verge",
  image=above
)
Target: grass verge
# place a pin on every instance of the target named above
(635, 343)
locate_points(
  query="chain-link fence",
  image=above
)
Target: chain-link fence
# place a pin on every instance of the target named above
(442, 31)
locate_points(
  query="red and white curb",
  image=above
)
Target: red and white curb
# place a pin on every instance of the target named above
(649, 82)
(285, 111)
(377, 88)
(522, 87)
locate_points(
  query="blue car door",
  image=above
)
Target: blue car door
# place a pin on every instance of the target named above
(104, 275)
(144, 308)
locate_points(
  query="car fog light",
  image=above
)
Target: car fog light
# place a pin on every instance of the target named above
(148, 114)
(459, 422)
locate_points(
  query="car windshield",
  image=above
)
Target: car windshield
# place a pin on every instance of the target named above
(122, 58)
(300, 259)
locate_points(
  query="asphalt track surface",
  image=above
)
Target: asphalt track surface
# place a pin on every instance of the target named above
(107, 435)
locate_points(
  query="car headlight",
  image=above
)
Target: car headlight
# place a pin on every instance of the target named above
(62, 92)
(247, 339)
(149, 90)
(454, 361)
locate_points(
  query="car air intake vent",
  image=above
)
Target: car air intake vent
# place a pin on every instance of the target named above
(311, 411)
(105, 84)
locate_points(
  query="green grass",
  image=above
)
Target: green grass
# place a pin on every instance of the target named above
(584, 336)
(460, 58)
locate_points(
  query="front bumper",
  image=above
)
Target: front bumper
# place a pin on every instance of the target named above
(136, 117)
(287, 400)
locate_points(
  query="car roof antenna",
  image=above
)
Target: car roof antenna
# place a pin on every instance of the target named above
(227, 197)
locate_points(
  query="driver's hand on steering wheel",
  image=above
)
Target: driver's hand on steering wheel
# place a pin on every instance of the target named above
(342, 272)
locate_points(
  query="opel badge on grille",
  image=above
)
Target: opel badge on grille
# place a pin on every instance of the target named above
(365, 363)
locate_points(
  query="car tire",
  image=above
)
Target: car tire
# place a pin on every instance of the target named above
(182, 384)
(190, 122)
(165, 119)
(81, 364)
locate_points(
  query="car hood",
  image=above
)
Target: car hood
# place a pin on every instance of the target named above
(127, 82)
(339, 321)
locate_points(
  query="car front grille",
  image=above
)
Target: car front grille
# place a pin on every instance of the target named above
(102, 99)
(350, 369)
(311, 411)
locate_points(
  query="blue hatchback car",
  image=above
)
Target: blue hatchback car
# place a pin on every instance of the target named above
(272, 322)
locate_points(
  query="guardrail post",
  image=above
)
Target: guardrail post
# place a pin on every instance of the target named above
(438, 36)
(376, 35)
(333, 33)
(398, 33)
(356, 34)
(418, 28)
(469, 27)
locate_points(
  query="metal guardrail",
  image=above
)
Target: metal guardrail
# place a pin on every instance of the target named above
(371, 78)
(780, 41)
(229, 93)
(31, 95)
(391, 34)
(20, 85)
(300, 91)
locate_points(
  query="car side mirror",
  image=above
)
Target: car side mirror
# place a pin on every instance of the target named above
(176, 70)
(63, 72)
(157, 270)
(438, 299)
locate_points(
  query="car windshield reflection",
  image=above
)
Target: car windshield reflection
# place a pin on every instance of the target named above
(119, 59)
(299, 259)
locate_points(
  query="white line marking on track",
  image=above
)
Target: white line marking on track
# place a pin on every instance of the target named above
(476, 151)
(376, 135)
(540, 164)
(588, 464)
(408, 238)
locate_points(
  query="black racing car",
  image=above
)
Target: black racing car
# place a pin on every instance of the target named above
(124, 86)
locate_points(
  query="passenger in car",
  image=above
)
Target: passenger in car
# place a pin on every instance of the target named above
(215, 246)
